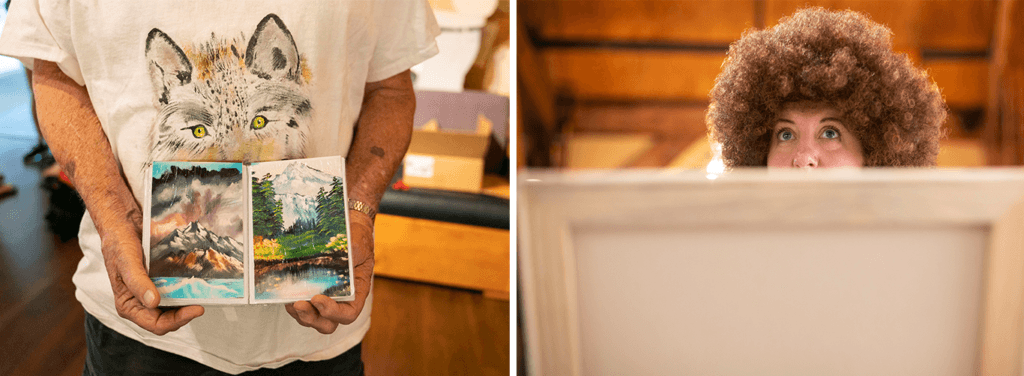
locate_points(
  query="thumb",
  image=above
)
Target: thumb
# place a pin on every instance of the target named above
(136, 279)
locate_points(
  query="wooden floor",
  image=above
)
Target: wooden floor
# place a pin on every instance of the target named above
(417, 329)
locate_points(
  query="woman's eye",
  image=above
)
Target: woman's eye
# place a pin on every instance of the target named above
(830, 133)
(785, 135)
(198, 131)
(259, 122)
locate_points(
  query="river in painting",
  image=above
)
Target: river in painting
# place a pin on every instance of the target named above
(199, 288)
(302, 284)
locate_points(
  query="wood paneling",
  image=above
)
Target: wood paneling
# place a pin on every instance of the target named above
(660, 154)
(672, 128)
(699, 22)
(594, 74)
(964, 82)
(958, 152)
(1003, 134)
(613, 75)
(450, 254)
(521, 139)
(599, 151)
(534, 81)
(536, 101)
(665, 120)
(943, 25)
(697, 156)
(958, 25)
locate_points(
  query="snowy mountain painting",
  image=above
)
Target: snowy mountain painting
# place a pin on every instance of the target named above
(300, 237)
(193, 251)
(296, 187)
(196, 221)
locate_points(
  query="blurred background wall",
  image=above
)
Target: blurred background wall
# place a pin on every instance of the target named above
(624, 84)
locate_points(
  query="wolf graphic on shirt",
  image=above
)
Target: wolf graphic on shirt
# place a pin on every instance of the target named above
(229, 100)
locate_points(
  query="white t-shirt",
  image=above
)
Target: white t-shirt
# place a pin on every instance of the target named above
(156, 71)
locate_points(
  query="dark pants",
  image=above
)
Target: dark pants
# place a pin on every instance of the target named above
(110, 353)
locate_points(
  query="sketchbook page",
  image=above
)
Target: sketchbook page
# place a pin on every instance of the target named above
(348, 258)
(196, 224)
(147, 212)
(248, 239)
(300, 230)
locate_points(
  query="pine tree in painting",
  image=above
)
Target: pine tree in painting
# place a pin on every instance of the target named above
(330, 208)
(267, 217)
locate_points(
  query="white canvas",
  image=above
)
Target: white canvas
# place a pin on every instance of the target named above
(779, 272)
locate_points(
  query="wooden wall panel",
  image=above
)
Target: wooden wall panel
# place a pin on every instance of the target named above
(660, 120)
(450, 254)
(1003, 133)
(957, 152)
(964, 82)
(601, 151)
(598, 74)
(964, 25)
(661, 153)
(622, 75)
(704, 22)
(958, 25)
(536, 102)
(534, 79)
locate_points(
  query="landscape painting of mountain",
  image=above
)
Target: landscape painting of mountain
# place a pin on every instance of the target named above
(196, 230)
(299, 230)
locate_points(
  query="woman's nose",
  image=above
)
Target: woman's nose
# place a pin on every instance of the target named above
(806, 157)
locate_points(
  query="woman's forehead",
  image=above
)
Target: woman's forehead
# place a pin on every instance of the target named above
(790, 113)
(808, 106)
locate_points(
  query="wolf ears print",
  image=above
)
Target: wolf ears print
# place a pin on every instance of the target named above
(271, 53)
(168, 66)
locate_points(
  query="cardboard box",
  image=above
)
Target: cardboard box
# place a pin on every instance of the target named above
(455, 137)
(450, 160)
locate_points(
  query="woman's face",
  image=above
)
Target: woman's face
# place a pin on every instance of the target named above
(812, 137)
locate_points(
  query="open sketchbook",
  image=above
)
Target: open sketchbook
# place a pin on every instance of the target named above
(229, 233)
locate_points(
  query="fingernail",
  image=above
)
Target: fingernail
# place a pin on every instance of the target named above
(147, 299)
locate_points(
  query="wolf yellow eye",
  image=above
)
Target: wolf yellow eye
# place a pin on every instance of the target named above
(259, 122)
(199, 131)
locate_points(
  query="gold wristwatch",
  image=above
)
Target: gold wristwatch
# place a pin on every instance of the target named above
(362, 207)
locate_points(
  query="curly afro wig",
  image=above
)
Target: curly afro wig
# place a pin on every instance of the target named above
(838, 59)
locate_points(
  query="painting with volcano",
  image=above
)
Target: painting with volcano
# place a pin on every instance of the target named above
(299, 230)
(195, 231)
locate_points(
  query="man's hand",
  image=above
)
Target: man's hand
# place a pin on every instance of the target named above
(323, 313)
(381, 139)
(69, 124)
(135, 295)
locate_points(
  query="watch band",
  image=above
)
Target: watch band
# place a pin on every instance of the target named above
(362, 207)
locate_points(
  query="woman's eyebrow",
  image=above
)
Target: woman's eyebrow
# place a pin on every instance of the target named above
(832, 119)
(786, 120)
